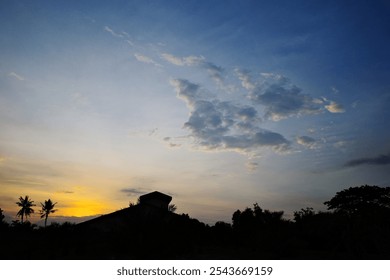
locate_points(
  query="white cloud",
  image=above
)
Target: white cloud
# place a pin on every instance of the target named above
(113, 33)
(282, 99)
(245, 78)
(130, 43)
(145, 59)
(214, 71)
(334, 90)
(222, 125)
(217, 123)
(307, 142)
(334, 107)
(16, 76)
(183, 61)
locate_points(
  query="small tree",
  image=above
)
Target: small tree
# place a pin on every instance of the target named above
(2, 222)
(172, 208)
(1, 215)
(47, 209)
(26, 207)
(303, 214)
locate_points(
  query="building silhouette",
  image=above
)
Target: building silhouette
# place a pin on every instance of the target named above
(152, 208)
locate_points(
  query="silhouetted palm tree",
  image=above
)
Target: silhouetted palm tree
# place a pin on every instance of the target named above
(47, 208)
(26, 207)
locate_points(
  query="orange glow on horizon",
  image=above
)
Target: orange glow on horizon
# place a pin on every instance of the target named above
(85, 207)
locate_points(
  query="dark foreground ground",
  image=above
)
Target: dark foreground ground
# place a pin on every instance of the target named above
(254, 234)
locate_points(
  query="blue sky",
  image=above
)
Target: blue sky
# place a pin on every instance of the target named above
(219, 103)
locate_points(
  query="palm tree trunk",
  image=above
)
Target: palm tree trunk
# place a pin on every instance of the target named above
(46, 219)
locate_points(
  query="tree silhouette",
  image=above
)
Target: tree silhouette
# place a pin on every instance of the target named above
(172, 208)
(1, 215)
(47, 209)
(363, 199)
(2, 222)
(26, 207)
(304, 214)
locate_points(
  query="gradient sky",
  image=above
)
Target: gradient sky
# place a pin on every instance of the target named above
(220, 104)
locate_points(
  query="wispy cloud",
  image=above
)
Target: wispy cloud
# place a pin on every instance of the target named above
(145, 59)
(214, 71)
(307, 142)
(133, 191)
(334, 107)
(245, 78)
(183, 61)
(171, 142)
(252, 165)
(16, 76)
(113, 33)
(222, 125)
(66, 192)
(378, 160)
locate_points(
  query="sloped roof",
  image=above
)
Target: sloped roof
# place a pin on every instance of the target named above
(155, 195)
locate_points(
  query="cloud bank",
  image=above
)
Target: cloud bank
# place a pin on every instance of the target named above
(222, 125)
(216, 122)
(282, 99)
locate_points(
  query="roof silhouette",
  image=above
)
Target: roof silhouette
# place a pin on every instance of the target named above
(152, 207)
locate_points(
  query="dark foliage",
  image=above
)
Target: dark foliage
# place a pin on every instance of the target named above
(361, 200)
(349, 232)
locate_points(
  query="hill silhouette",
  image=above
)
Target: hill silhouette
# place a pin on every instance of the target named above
(148, 230)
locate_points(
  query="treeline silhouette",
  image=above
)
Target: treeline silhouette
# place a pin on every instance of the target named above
(356, 226)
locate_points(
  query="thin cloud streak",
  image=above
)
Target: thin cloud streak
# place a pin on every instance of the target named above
(16, 76)
(379, 160)
(215, 72)
(145, 59)
(133, 191)
(112, 32)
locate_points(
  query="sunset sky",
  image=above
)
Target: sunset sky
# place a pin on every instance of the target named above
(219, 104)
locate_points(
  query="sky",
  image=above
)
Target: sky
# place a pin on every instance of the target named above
(220, 104)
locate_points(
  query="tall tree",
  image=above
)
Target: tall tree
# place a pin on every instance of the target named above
(25, 205)
(363, 199)
(47, 209)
